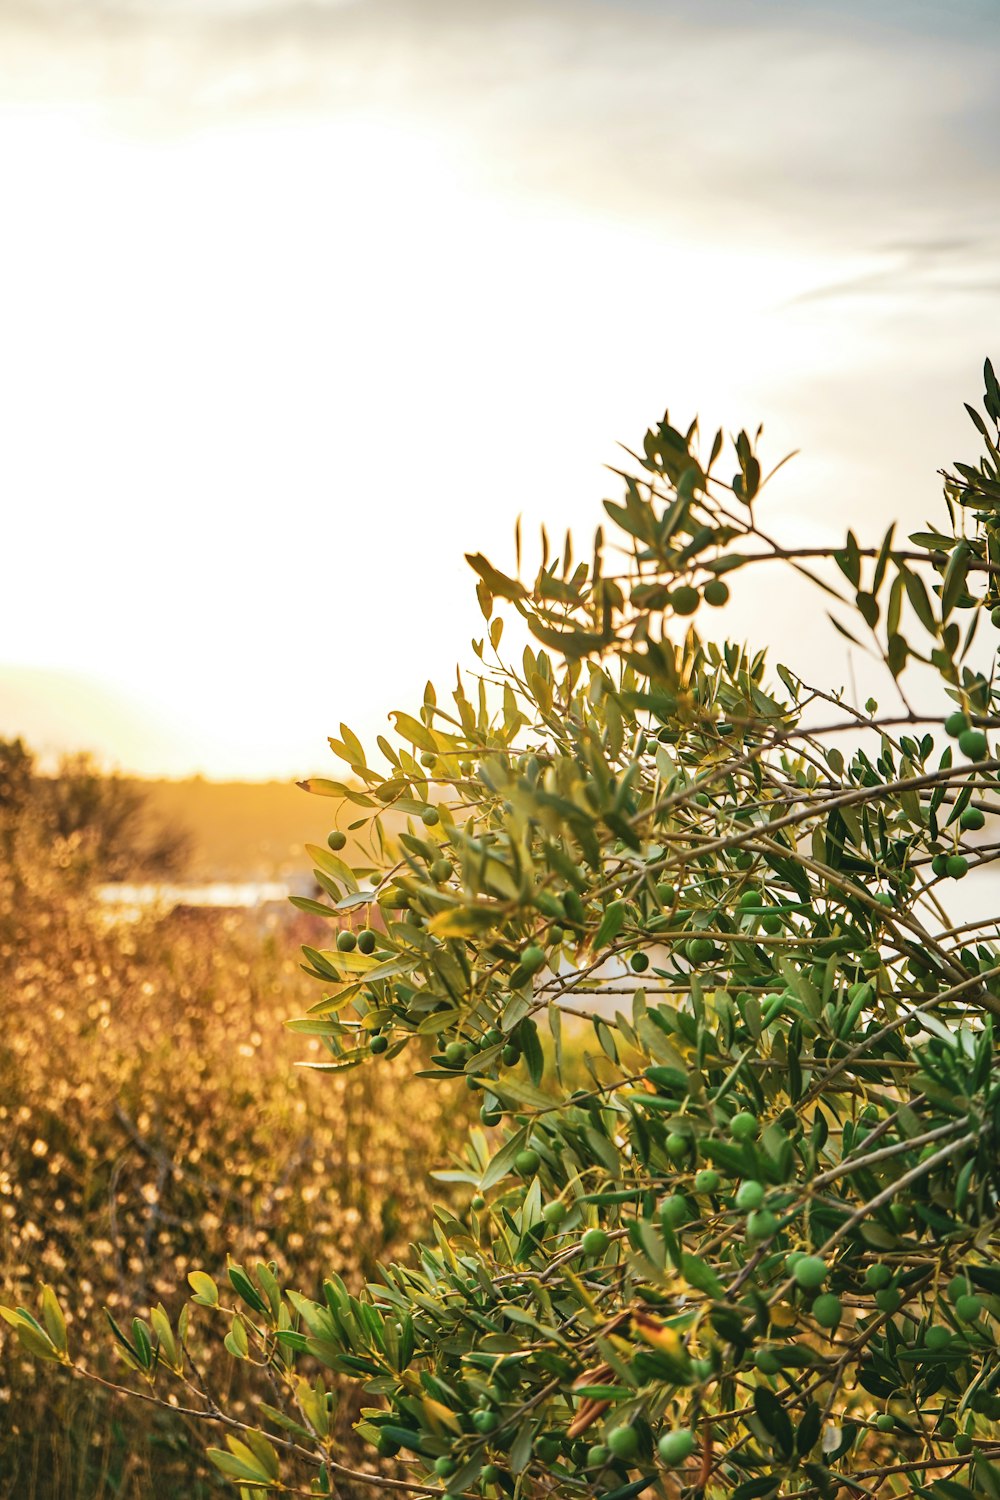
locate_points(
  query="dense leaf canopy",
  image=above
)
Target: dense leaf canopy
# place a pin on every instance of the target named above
(700, 937)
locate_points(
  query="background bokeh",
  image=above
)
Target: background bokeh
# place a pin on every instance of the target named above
(302, 299)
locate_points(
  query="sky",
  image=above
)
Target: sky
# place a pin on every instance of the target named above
(301, 300)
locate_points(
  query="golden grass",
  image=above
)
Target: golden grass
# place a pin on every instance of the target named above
(152, 1119)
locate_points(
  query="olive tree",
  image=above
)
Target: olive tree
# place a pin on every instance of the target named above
(701, 938)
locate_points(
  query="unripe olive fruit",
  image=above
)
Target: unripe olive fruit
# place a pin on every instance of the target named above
(547, 1449)
(885, 1421)
(378, 1043)
(640, 963)
(336, 839)
(947, 1427)
(511, 1054)
(761, 1224)
(366, 940)
(623, 1442)
(489, 1474)
(939, 865)
(707, 1180)
(968, 1307)
(441, 869)
(716, 592)
(684, 600)
(888, 1300)
(555, 1212)
(810, 1272)
(347, 941)
(767, 1362)
(527, 1162)
(477, 1203)
(877, 1277)
(744, 1126)
(674, 1447)
(532, 958)
(972, 818)
(973, 744)
(429, 816)
(699, 950)
(454, 1054)
(771, 923)
(963, 1442)
(594, 1242)
(598, 1456)
(957, 866)
(937, 1337)
(749, 1195)
(827, 1310)
(485, 1421)
(490, 1116)
(674, 1210)
(665, 893)
(955, 723)
(677, 1145)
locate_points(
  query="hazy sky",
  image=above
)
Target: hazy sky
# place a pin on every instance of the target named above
(301, 301)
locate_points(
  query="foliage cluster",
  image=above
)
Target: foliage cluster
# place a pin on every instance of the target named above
(754, 1254)
(95, 825)
(152, 1120)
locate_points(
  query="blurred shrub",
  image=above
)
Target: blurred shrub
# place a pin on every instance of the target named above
(95, 826)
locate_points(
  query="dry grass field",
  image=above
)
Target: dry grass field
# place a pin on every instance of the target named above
(152, 1120)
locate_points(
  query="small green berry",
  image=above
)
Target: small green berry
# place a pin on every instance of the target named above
(957, 866)
(955, 723)
(598, 1456)
(968, 1307)
(684, 600)
(963, 1443)
(444, 1467)
(827, 1310)
(749, 1195)
(623, 1442)
(347, 941)
(761, 1224)
(594, 1242)
(877, 1276)
(555, 1212)
(674, 1211)
(973, 744)
(707, 1180)
(378, 1043)
(677, 1145)
(937, 1337)
(674, 1447)
(639, 962)
(527, 1162)
(885, 1421)
(429, 816)
(810, 1272)
(972, 818)
(744, 1126)
(336, 840)
(716, 593)
(699, 950)
(366, 941)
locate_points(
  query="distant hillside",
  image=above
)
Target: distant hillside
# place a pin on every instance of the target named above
(248, 830)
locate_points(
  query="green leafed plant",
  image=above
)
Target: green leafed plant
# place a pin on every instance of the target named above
(732, 1212)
